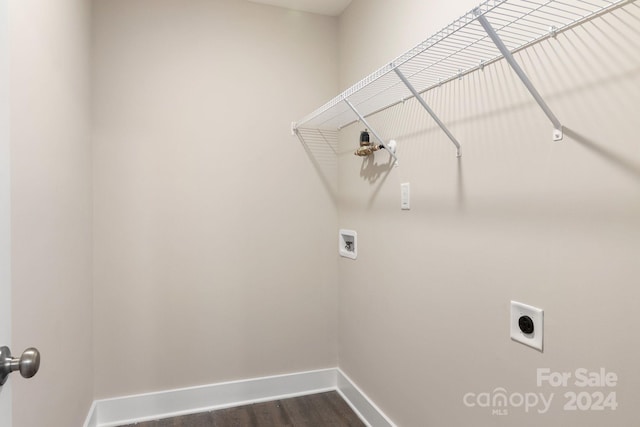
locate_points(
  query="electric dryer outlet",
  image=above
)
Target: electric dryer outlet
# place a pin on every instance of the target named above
(527, 325)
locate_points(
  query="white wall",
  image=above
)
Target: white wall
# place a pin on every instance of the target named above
(51, 208)
(373, 32)
(214, 250)
(424, 310)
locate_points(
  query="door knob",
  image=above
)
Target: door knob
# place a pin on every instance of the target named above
(27, 364)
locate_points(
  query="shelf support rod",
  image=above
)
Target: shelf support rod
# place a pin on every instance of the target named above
(557, 133)
(364, 122)
(429, 110)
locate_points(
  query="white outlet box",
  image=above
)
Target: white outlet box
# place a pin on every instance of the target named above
(348, 243)
(532, 318)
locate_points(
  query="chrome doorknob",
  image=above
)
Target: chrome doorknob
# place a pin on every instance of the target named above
(28, 364)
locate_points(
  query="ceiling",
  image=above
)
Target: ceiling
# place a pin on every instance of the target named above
(323, 7)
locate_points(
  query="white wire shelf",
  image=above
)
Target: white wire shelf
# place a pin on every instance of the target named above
(462, 47)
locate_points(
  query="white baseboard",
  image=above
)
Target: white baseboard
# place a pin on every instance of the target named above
(92, 418)
(360, 403)
(171, 403)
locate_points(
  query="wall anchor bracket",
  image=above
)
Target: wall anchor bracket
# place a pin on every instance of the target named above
(493, 35)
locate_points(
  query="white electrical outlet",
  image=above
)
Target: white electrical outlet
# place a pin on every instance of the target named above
(405, 196)
(527, 325)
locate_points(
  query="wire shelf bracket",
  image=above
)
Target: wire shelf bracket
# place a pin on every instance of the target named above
(429, 110)
(557, 126)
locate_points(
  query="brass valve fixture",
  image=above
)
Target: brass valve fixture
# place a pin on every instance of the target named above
(366, 147)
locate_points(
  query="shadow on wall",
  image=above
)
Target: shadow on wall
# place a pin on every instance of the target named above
(625, 165)
(460, 186)
(322, 148)
(379, 172)
(374, 172)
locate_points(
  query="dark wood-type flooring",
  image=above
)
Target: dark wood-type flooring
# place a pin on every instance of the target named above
(317, 410)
